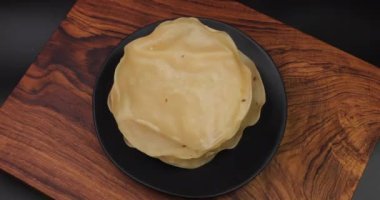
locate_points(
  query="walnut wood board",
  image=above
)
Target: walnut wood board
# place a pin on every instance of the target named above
(47, 135)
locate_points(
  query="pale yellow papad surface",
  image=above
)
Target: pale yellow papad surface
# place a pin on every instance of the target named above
(181, 93)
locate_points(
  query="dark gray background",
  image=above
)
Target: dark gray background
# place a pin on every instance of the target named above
(351, 25)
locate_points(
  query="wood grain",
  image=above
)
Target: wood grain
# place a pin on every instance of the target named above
(47, 136)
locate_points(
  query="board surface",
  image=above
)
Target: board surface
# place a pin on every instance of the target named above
(47, 136)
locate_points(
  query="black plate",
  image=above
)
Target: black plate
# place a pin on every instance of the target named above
(230, 169)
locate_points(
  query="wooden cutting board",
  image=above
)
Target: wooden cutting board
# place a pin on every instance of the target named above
(47, 136)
